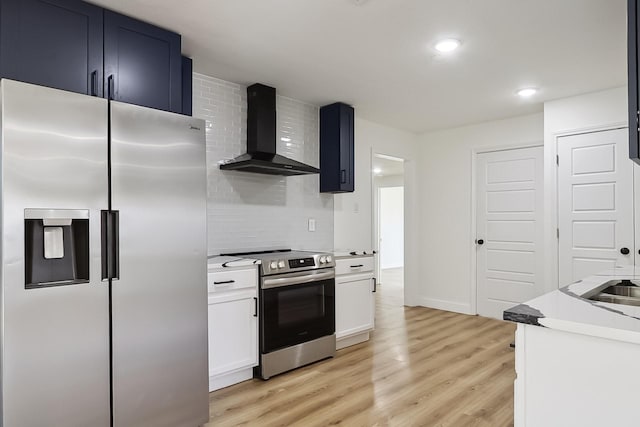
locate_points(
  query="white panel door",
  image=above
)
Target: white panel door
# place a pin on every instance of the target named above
(509, 229)
(595, 204)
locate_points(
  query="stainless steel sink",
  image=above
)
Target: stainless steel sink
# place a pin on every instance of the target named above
(625, 292)
(622, 290)
(616, 299)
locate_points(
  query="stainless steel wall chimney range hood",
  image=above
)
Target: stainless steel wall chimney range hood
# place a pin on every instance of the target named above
(261, 154)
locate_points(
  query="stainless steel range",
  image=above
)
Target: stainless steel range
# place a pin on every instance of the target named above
(297, 309)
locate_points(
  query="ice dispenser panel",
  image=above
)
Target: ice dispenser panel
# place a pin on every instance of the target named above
(56, 247)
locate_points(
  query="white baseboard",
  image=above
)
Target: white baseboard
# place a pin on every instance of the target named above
(225, 380)
(352, 340)
(445, 305)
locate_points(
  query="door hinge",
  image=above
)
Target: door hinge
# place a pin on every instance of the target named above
(557, 160)
(557, 233)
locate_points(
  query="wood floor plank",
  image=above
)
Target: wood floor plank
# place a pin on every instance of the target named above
(422, 367)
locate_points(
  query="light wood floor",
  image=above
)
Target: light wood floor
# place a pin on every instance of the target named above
(422, 367)
(393, 286)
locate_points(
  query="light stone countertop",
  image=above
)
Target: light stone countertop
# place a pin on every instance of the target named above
(218, 262)
(354, 253)
(567, 310)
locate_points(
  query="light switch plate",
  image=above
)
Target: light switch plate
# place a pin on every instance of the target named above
(312, 224)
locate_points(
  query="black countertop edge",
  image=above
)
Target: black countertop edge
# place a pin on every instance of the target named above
(523, 313)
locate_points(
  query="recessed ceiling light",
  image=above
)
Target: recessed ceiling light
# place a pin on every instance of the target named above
(285, 139)
(527, 92)
(377, 171)
(447, 45)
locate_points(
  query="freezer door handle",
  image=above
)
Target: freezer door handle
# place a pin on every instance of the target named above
(110, 244)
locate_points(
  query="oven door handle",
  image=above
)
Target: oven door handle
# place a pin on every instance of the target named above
(268, 283)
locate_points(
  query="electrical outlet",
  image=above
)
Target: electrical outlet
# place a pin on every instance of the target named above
(312, 224)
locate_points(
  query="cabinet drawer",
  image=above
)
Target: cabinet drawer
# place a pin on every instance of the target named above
(226, 280)
(354, 265)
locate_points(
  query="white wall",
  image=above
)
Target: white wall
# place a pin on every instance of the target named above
(389, 181)
(445, 181)
(593, 111)
(353, 212)
(392, 227)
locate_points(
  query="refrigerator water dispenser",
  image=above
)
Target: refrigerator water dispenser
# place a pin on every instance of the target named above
(56, 247)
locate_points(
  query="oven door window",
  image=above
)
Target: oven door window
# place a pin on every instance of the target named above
(296, 314)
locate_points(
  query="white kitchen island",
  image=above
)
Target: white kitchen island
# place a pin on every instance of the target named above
(578, 360)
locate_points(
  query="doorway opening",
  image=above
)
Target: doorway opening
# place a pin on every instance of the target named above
(388, 180)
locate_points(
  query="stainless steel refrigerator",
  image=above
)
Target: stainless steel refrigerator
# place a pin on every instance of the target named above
(103, 303)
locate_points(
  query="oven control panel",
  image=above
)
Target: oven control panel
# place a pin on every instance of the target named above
(297, 261)
(301, 262)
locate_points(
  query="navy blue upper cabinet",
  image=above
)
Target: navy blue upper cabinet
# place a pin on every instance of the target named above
(142, 63)
(55, 43)
(336, 148)
(79, 47)
(187, 86)
(634, 95)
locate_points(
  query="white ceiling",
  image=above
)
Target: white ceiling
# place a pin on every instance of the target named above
(378, 54)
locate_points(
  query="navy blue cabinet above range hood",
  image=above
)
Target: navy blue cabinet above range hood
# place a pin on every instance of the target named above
(261, 154)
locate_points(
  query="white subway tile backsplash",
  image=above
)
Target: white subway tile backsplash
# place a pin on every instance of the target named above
(249, 211)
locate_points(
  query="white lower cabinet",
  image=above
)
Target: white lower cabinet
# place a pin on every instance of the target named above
(355, 302)
(574, 379)
(233, 327)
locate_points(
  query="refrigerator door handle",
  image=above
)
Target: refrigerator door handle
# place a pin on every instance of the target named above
(115, 245)
(110, 244)
(104, 255)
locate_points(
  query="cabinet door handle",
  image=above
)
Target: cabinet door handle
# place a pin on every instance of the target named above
(255, 307)
(375, 284)
(343, 176)
(94, 83)
(110, 90)
(357, 266)
(224, 282)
